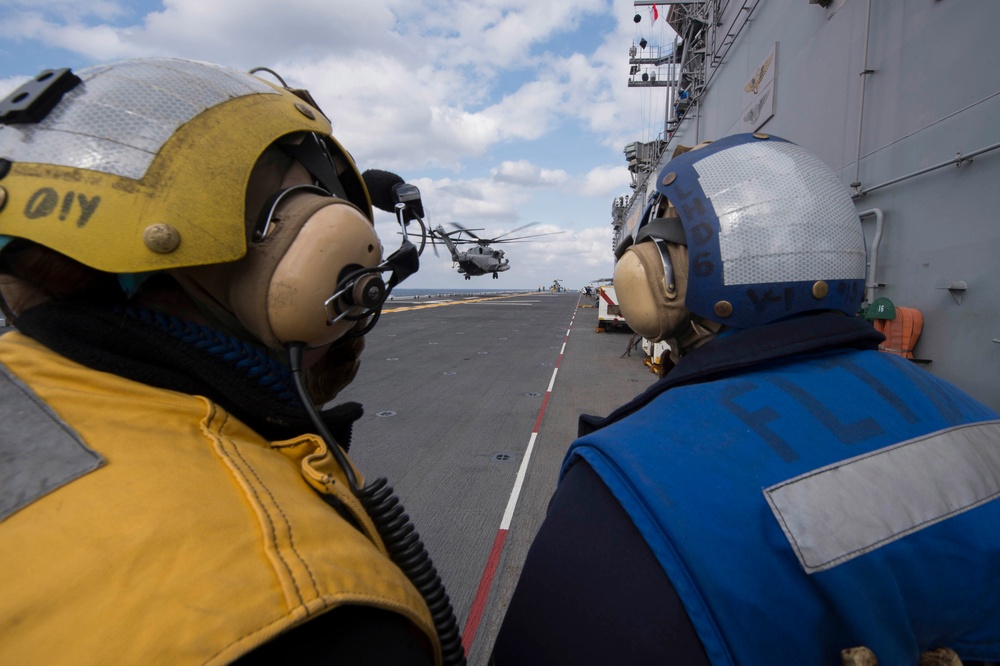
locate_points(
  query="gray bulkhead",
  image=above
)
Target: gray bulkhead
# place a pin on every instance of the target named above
(931, 96)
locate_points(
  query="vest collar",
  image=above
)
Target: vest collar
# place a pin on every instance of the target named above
(739, 350)
(181, 356)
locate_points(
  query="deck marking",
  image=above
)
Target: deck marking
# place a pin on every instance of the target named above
(437, 304)
(541, 412)
(553, 380)
(483, 591)
(493, 560)
(508, 513)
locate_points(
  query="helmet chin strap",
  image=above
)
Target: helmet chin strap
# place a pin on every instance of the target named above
(696, 333)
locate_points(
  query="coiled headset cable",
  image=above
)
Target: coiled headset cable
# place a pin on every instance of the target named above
(403, 543)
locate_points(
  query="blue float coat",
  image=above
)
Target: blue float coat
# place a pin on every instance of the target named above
(694, 466)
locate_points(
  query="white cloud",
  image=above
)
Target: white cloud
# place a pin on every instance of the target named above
(100, 43)
(606, 181)
(469, 88)
(73, 10)
(472, 202)
(262, 32)
(11, 84)
(486, 34)
(524, 173)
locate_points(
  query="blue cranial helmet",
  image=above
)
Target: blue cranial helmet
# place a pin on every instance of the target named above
(771, 231)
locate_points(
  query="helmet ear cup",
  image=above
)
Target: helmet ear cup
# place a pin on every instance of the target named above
(278, 291)
(650, 282)
(281, 291)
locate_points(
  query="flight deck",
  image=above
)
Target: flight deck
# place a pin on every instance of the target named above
(470, 403)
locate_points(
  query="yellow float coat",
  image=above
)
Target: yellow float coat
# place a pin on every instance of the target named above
(195, 542)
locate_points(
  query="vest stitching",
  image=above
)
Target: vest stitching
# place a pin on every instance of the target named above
(267, 515)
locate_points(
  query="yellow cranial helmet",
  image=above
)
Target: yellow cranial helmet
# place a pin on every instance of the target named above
(143, 165)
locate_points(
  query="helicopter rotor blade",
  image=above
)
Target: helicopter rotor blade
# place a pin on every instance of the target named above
(466, 230)
(522, 239)
(514, 231)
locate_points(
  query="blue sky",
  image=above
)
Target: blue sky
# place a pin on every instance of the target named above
(502, 112)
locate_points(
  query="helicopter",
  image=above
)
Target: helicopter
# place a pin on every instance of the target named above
(482, 258)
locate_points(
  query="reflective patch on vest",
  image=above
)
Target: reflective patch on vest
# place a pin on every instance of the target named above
(841, 511)
(39, 452)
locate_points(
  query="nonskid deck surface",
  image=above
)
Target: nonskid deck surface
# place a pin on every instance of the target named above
(470, 403)
(403, 303)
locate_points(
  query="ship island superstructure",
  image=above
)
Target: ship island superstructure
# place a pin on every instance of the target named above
(902, 99)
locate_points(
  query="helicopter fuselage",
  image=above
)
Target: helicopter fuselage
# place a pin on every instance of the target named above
(480, 260)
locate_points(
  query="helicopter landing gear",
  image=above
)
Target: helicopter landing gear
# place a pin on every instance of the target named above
(468, 277)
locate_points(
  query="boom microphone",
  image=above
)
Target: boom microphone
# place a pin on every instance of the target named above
(380, 186)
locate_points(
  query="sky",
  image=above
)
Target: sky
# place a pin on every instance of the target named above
(503, 113)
